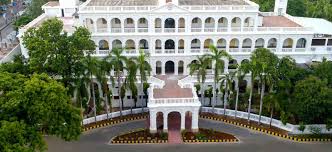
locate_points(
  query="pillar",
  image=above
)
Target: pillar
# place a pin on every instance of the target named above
(194, 120)
(95, 26)
(229, 25)
(165, 117)
(176, 68)
(183, 120)
(153, 123)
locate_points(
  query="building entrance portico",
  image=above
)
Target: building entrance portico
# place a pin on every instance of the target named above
(172, 105)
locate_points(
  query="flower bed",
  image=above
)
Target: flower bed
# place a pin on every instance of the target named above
(115, 120)
(207, 135)
(140, 136)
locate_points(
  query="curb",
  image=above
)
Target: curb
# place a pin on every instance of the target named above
(267, 131)
(110, 122)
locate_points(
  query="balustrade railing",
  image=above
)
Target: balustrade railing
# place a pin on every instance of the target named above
(169, 30)
(300, 50)
(246, 49)
(209, 29)
(234, 49)
(222, 29)
(195, 50)
(180, 50)
(116, 30)
(169, 51)
(196, 29)
(129, 30)
(287, 49)
(143, 30)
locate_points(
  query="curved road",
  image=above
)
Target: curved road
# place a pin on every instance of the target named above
(250, 141)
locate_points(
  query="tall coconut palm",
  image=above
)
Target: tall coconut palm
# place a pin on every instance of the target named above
(144, 69)
(249, 67)
(101, 75)
(227, 80)
(131, 79)
(272, 104)
(265, 63)
(216, 57)
(118, 62)
(240, 74)
(200, 67)
(91, 64)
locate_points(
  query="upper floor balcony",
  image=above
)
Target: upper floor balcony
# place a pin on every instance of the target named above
(182, 25)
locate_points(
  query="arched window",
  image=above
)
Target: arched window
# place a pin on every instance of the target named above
(169, 44)
(143, 23)
(207, 43)
(259, 43)
(247, 43)
(195, 44)
(130, 44)
(158, 44)
(196, 23)
(103, 45)
(288, 43)
(143, 44)
(234, 43)
(301, 43)
(116, 44)
(272, 43)
(209, 22)
(169, 23)
(221, 43)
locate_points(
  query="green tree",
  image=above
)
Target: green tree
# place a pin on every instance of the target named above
(265, 63)
(118, 62)
(144, 69)
(226, 85)
(272, 104)
(199, 68)
(313, 99)
(216, 57)
(240, 74)
(34, 106)
(131, 79)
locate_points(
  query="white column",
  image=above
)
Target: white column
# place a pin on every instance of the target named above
(242, 25)
(108, 26)
(183, 120)
(188, 25)
(122, 26)
(176, 68)
(226, 65)
(163, 68)
(136, 25)
(153, 124)
(165, 117)
(176, 25)
(229, 25)
(194, 120)
(95, 25)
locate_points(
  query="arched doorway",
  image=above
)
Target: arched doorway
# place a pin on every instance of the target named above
(169, 67)
(158, 67)
(180, 67)
(169, 23)
(174, 121)
(188, 122)
(160, 121)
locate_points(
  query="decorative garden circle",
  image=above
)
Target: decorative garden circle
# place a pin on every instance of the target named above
(140, 136)
(207, 135)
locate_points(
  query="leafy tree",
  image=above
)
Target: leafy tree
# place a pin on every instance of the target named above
(216, 58)
(146, 86)
(54, 52)
(18, 65)
(34, 106)
(4, 2)
(199, 68)
(323, 71)
(209, 93)
(23, 20)
(272, 104)
(312, 98)
(144, 69)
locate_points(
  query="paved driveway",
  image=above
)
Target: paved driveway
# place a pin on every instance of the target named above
(97, 141)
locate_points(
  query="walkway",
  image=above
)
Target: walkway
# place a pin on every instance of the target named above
(171, 88)
(174, 133)
(97, 140)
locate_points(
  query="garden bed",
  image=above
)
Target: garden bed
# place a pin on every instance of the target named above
(141, 136)
(207, 135)
(252, 124)
(115, 120)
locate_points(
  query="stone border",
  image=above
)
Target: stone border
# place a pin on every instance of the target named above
(213, 141)
(266, 131)
(110, 123)
(137, 141)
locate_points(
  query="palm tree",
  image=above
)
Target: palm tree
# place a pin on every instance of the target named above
(249, 67)
(216, 57)
(91, 64)
(118, 62)
(240, 76)
(81, 94)
(101, 75)
(200, 68)
(144, 70)
(131, 79)
(272, 103)
(227, 79)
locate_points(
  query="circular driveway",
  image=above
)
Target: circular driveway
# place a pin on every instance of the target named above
(250, 141)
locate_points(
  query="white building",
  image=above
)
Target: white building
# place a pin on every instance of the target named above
(174, 32)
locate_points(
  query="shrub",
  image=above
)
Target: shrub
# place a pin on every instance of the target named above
(302, 127)
(329, 124)
(315, 130)
(200, 136)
